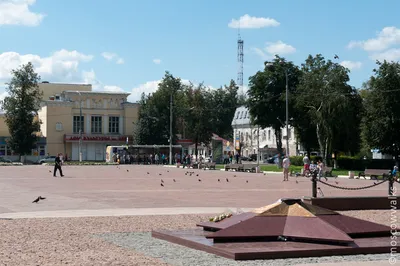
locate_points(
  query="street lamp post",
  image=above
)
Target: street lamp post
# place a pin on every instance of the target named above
(80, 126)
(287, 113)
(170, 129)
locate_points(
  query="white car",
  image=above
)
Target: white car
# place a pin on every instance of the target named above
(47, 159)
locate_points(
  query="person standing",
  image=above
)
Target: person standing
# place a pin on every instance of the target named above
(57, 165)
(285, 166)
(306, 162)
(321, 170)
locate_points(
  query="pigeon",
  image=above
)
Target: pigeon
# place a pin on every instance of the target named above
(41, 198)
(162, 184)
(336, 182)
(297, 182)
(186, 173)
(227, 180)
(162, 181)
(219, 180)
(36, 200)
(234, 175)
(148, 173)
(49, 171)
(197, 175)
(174, 180)
(336, 57)
(159, 174)
(127, 170)
(247, 181)
(199, 180)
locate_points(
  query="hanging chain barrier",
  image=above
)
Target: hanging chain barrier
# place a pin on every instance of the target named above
(352, 188)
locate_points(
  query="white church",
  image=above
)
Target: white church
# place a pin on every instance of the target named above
(248, 135)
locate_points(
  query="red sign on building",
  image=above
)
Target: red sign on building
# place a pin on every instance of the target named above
(68, 138)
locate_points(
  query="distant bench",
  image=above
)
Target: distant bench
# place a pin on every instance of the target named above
(241, 167)
(375, 173)
(210, 165)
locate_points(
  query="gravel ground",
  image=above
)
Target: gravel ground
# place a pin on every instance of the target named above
(123, 241)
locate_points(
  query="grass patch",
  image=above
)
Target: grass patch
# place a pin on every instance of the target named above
(274, 168)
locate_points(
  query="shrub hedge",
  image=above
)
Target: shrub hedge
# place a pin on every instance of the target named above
(351, 163)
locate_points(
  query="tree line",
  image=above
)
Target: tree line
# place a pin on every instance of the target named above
(328, 114)
(197, 112)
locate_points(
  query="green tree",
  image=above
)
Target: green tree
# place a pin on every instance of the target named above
(382, 114)
(267, 95)
(223, 102)
(21, 108)
(154, 114)
(197, 118)
(326, 100)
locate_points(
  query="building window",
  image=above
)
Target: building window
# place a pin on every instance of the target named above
(247, 136)
(78, 124)
(241, 137)
(2, 150)
(113, 125)
(264, 137)
(96, 124)
(269, 134)
(237, 115)
(241, 115)
(289, 133)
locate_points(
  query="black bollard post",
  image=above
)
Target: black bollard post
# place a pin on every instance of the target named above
(314, 186)
(391, 181)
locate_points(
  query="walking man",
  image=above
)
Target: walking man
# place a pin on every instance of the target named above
(57, 165)
(285, 166)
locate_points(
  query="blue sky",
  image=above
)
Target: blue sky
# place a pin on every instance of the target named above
(65, 39)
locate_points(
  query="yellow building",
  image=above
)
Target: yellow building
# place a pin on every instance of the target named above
(107, 119)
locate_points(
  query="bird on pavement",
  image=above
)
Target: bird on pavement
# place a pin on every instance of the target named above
(199, 180)
(127, 170)
(297, 182)
(148, 173)
(41, 198)
(219, 180)
(174, 180)
(162, 184)
(162, 181)
(227, 180)
(159, 174)
(247, 181)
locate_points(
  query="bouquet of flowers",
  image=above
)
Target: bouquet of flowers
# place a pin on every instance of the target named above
(220, 217)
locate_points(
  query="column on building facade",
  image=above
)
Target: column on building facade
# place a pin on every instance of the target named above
(88, 118)
(121, 125)
(105, 124)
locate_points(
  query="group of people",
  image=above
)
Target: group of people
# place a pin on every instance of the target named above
(310, 168)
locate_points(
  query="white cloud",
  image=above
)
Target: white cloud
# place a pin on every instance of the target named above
(16, 12)
(274, 48)
(157, 61)
(248, 22)
(388, 55)
(386, 38)
(152, 86)
(89, 77)
(62, 65)
(279, 47)
(351, 65)
(113, 57)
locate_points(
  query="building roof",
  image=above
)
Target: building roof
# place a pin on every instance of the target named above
(98, 92)
(241, 117)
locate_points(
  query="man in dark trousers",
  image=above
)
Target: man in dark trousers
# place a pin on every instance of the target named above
(58, 165)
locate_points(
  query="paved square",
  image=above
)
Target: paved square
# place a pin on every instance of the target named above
(138, 186)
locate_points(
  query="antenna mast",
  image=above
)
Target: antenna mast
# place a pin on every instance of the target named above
(240, 61)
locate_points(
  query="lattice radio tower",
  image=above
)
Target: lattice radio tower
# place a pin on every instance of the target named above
(240, 61)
